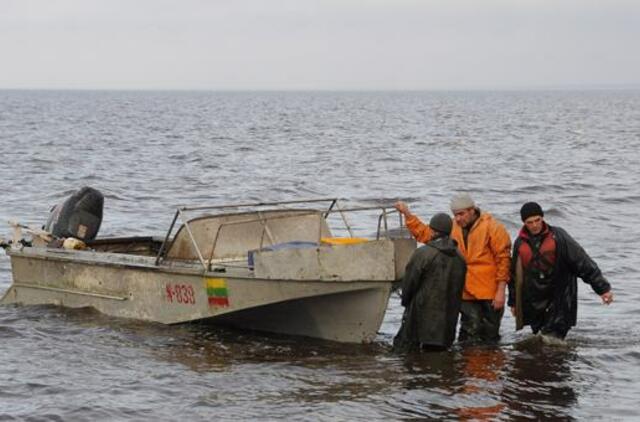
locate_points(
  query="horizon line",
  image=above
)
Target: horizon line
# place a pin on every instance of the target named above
(598, 87)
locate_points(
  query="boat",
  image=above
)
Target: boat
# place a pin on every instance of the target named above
(274, 267)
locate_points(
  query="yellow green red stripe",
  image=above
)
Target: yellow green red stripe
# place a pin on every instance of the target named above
(217, 292)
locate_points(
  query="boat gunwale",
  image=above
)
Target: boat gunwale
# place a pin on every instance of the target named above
(76, 256)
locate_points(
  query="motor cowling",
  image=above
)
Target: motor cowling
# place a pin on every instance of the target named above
(78, 216)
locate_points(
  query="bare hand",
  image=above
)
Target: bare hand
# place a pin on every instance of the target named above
(402, 207)
(607, 298)
(498, 300)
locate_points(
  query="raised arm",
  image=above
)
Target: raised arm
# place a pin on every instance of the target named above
(419, 230)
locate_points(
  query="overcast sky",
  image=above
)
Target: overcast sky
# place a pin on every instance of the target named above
(319, 44)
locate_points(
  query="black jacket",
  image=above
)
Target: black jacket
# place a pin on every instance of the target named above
(553, 304)
(432, 293)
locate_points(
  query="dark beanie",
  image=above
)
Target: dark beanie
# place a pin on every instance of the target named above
(441, 222)
(530, 209)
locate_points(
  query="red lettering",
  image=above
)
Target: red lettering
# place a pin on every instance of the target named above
(180, 293)
(169, 292)
(192, 295)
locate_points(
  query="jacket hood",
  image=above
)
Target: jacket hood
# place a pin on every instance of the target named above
(445, 245)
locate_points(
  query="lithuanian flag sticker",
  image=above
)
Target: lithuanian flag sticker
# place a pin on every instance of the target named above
(217, 292)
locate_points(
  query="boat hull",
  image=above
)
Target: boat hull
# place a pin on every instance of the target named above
(134, 287)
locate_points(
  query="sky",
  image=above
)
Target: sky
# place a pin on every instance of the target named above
(319, 44)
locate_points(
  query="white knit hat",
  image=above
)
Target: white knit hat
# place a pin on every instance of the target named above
(462, 201)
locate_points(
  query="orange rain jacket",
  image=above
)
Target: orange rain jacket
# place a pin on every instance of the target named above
(487, 253)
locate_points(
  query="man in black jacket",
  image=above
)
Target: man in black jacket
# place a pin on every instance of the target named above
(545, 265)
(432, 291)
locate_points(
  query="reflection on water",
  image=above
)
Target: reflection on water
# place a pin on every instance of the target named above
(468, 381)
(482, 383)
(483, 369)
(539, 382)
(526, 379)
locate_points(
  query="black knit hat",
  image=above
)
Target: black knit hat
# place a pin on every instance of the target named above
(441, 222)
(530, 209)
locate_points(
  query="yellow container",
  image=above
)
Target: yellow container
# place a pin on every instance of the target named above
(343, 240)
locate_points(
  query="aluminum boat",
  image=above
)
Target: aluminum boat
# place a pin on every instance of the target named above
(274, 267)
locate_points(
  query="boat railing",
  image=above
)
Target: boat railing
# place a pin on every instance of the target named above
(264, 220)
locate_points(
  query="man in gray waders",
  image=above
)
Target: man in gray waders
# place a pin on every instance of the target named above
(432, 292)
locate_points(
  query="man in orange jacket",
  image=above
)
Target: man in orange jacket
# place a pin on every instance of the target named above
(486, 246)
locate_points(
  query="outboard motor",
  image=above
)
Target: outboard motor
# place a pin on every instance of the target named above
(79, 216)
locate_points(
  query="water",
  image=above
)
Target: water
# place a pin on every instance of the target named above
(577, 153)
